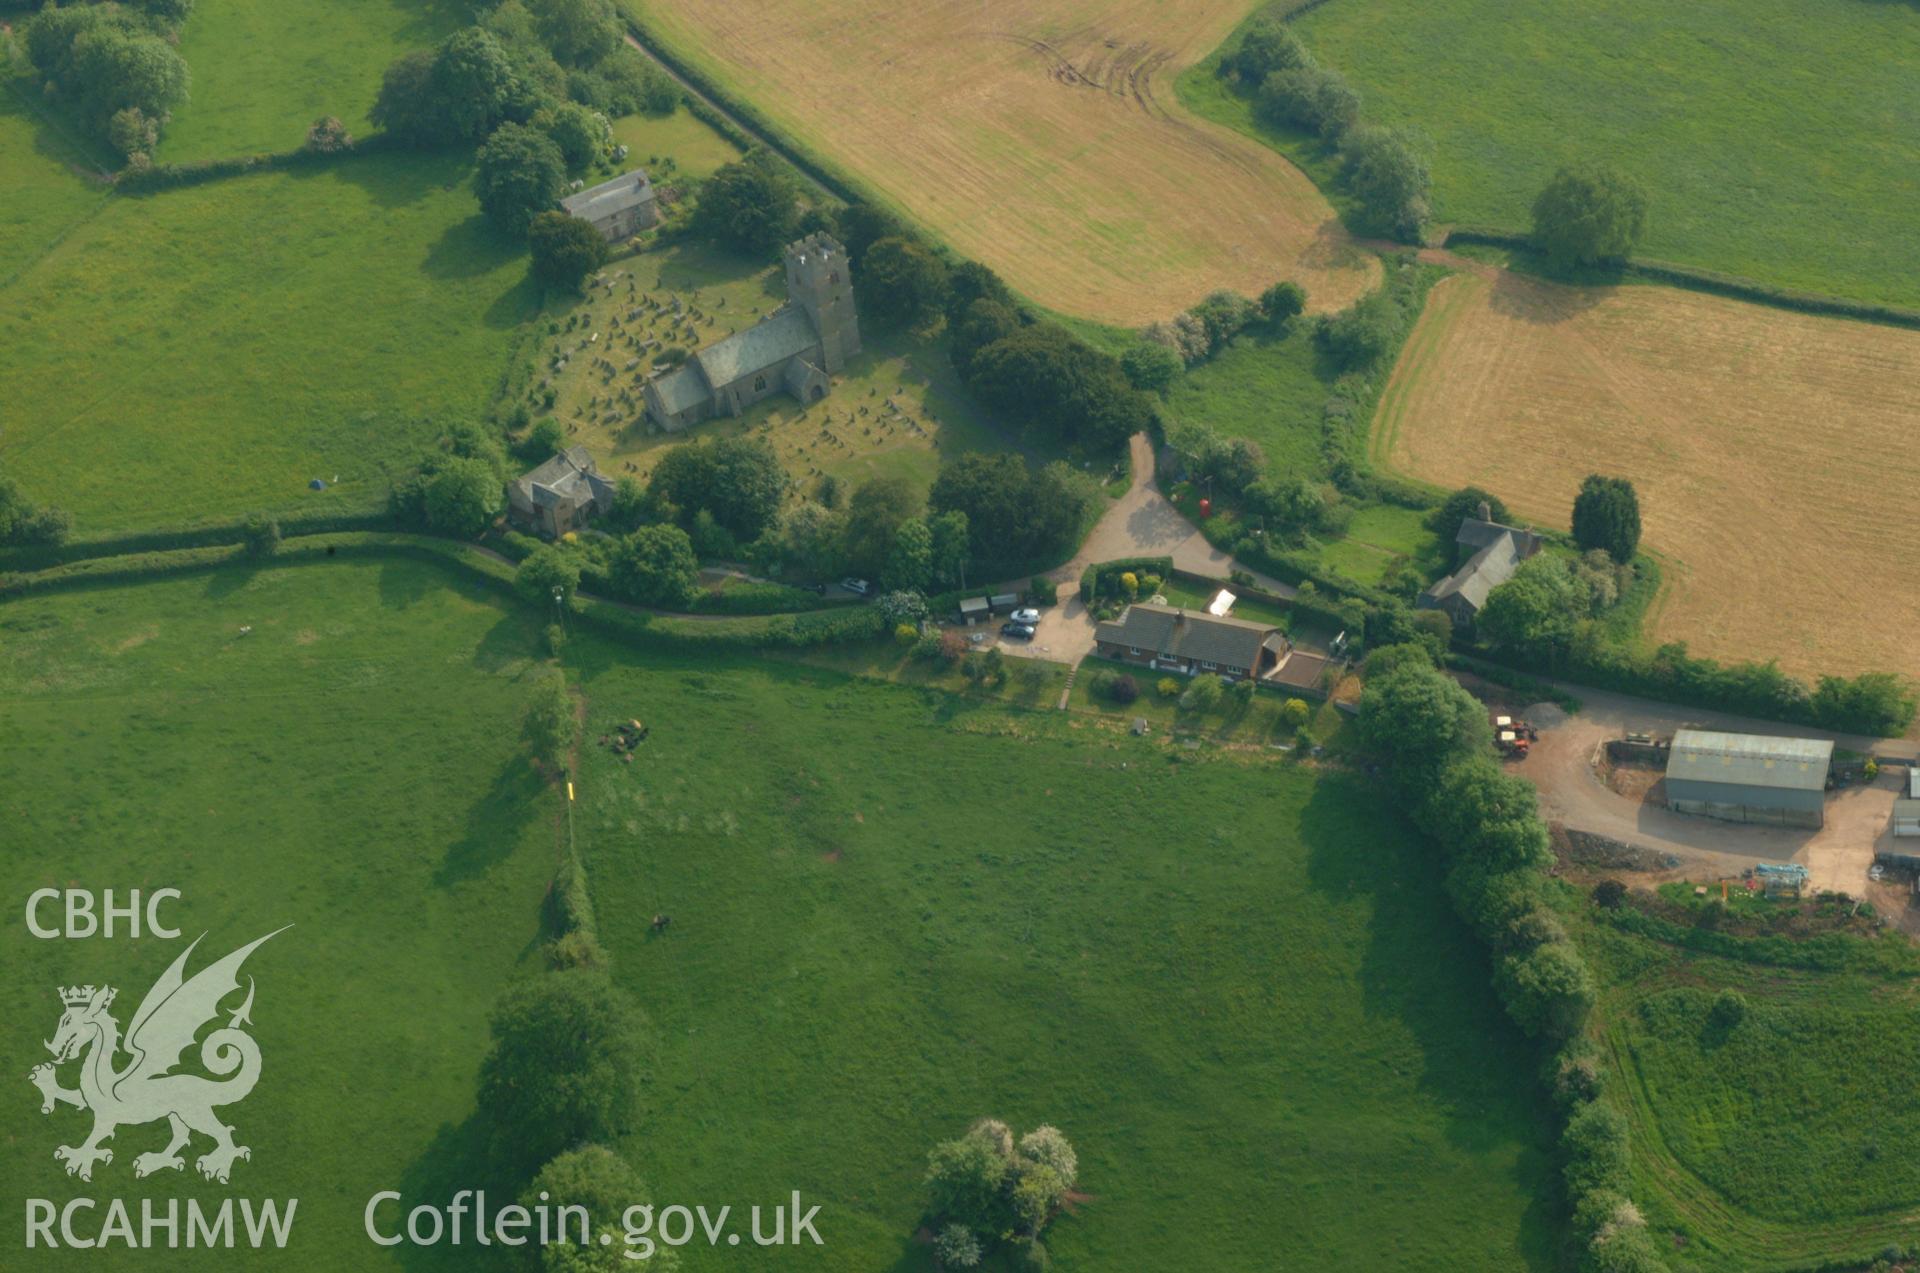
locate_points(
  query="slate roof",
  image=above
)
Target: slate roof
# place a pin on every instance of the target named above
(1750, 760)
(682, 388)
(1478, 534)
(597, 203)
(569, 478)
(771, 341)
(1185, 634)
(1486, 570)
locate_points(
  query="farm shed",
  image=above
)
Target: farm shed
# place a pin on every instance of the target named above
(1749, 777)
(1906, 813)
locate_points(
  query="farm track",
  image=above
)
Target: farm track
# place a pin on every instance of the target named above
(1772, 450)
(1039, 139)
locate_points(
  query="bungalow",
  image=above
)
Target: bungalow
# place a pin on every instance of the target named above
(1172, 640)
(563, 494)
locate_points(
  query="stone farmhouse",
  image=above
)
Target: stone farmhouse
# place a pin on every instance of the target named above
(619, 208)
(795, 349)
(1167, 639)
(1494, 553)
(561, 495)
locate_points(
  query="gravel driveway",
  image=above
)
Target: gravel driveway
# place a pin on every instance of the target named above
(1141, 523)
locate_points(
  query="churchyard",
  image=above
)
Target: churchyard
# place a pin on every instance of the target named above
(898, 411)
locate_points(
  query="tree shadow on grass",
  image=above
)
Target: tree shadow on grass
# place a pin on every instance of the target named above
(1423, 969)
(457, 1158)
(404, 582)
(1547, 302)
(507, 644)
(394, 179)
(468, 249)
(495, 823)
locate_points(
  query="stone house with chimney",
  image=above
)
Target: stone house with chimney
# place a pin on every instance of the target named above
(619, 208)
(794, 350)
(561, 495)
(1488, 554)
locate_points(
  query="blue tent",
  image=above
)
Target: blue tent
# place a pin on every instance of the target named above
(316, 485)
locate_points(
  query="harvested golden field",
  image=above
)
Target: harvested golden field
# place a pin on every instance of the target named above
(1042, 138)
(1774, 452)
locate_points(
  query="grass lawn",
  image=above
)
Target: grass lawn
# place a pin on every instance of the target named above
(190, 356)
(898, 410)
(896, 910)
(351, 767)
(1378, 536)
(263, 72)
(1758, 158)
(673, 146)
(1773, 1143)
(1267, 385)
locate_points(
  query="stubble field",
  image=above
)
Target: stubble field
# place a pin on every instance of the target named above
(1772, 451)
(1043, 139)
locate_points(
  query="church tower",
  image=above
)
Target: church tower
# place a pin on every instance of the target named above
(820, 282)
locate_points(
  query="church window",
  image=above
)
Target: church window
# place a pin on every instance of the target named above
(759, 384)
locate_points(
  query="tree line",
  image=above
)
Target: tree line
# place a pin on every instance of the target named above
(1435, 739)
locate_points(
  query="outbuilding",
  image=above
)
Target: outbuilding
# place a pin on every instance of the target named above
(1749, 777)
(1906, 813)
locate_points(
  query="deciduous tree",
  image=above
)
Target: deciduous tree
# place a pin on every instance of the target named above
(565, 250)
(1588, 215)
(655, 566)
(567, 1058)
(521, 173)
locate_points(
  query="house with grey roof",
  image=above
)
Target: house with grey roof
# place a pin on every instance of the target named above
(1492, 553)
(1170, 639)
(619, 208)
(794, 350)
(1749, 777)
(561, 495)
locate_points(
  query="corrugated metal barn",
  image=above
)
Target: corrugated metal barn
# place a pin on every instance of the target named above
(1749, 777)
(1906, 813)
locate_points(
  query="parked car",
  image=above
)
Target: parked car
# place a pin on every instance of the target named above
(858, 587)
(1018, 631)
(1028, 616)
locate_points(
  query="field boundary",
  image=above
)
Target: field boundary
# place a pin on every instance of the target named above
(1696, 279)
(700, 86)
(791, 629)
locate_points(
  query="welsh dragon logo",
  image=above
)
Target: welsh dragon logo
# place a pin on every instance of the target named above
(145, 1089)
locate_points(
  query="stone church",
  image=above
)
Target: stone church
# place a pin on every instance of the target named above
(794, 349)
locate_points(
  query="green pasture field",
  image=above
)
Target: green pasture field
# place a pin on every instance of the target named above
(352, 767)
(895, 910)
(1761, 156)
(189, 356)
(263, 72)
(1266, 385)
(52, 178)
(1774, 1143)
